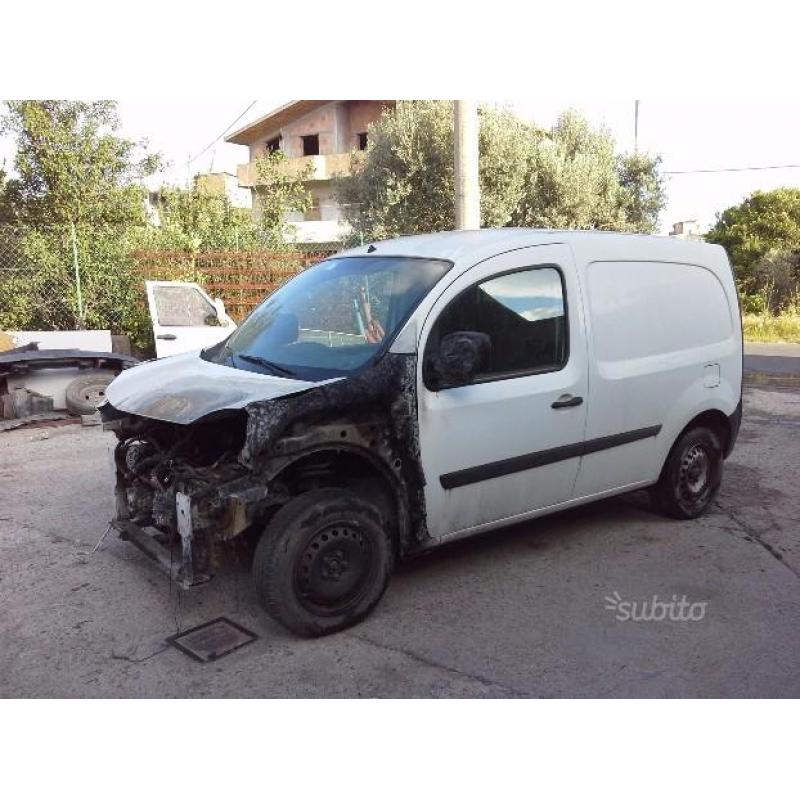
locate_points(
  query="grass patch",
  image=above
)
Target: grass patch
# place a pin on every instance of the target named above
(766, 327)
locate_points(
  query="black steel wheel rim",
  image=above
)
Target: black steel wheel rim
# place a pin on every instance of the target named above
(695, 475)
(335, 568)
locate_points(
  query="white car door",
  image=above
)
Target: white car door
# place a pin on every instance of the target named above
(185, 318)
(508, 443)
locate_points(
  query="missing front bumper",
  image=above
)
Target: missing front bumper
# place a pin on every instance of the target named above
(179, 565)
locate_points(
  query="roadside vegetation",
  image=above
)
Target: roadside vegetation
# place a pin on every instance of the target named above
(76, 211)
(762, 237)
(768, 327)
(77, 196)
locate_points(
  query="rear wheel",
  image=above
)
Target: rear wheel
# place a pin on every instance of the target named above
(323, 562)
(692, 475)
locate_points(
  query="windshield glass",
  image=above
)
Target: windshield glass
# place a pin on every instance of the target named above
(331, 319)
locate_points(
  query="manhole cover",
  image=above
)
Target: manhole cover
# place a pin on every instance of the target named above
(212, 640)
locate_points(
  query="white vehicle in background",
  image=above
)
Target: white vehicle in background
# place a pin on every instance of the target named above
(185, 318)
(415, 391)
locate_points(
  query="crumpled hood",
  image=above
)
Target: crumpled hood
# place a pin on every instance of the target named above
(185, 388)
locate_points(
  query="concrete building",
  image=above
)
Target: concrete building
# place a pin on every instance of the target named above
(687, 229)
(225, 184)
(322, 133)
(215, 183)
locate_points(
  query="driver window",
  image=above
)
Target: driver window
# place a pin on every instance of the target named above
(522, 312)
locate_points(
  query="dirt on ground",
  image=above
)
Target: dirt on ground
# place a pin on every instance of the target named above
(533, 610)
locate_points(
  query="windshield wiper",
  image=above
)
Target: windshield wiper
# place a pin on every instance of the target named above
(263, 362)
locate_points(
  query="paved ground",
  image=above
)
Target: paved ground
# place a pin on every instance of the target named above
(776, 358)
(515, 613)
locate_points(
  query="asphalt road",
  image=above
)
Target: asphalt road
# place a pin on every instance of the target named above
(517, 613)
(772, 359)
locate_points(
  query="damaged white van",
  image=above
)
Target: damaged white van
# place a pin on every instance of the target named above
(410, 392)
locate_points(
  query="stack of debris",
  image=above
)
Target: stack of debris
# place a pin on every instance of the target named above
(43, 386)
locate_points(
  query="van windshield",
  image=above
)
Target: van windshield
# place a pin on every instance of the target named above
(330, 320)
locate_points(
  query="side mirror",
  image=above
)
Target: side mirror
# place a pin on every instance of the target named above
(459, 357)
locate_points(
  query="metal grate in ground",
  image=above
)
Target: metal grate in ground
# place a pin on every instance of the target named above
(212, 640)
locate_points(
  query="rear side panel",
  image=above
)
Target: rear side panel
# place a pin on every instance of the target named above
(665, 345)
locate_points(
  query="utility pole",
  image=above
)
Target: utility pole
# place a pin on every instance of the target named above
(468, 193)
(636, 126)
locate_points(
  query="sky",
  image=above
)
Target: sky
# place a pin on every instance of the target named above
(688, 134)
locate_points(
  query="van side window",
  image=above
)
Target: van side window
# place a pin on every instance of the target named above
(524, 315)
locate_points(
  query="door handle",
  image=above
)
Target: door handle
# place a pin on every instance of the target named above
(168, 336)
(566, 401)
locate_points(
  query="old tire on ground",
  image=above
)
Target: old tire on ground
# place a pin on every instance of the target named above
(691, 476)
(86, 392)
(323, 562)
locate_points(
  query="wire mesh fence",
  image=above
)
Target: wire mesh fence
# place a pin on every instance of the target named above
(65, 277)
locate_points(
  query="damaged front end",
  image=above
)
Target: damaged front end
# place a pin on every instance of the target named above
(186, 488)
(185, 483)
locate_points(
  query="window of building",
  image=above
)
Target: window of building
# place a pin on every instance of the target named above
(311, 145)
(313, 213)
(362, 141)
(273, 144)
(524, 315)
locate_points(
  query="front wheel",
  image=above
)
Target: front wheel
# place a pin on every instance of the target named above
(323, 562)
(692, 475)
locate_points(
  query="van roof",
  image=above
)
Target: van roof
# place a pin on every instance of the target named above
(465, 248)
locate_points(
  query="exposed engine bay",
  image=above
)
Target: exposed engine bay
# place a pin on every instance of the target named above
(185, 489)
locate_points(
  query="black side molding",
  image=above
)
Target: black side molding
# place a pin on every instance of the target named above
(508, 466)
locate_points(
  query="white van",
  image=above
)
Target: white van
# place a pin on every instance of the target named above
(410, 392)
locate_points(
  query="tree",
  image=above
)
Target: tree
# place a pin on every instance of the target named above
(571, 179)
(281, 190)
(6, 208)
(504, 146)
(77, 196)
(405, 182)
(567, 177)
(776, 280)
(762, 224)
(72, 166)
(642, 191)
(194, 219)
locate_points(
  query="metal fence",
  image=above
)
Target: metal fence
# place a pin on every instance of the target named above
(71, 278)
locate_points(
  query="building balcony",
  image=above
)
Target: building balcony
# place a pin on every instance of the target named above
(323, 168)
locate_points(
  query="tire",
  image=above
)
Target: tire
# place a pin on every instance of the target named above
(86, 392)
(691, 475)
(323, 562)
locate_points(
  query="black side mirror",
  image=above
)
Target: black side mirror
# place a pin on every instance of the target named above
(459, 357)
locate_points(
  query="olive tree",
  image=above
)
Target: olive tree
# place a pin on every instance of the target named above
(568, 177)
(404, 183)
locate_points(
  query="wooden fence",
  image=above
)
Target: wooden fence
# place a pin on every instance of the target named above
(241, 278)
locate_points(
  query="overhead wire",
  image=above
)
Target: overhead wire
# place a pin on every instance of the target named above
(214, 141)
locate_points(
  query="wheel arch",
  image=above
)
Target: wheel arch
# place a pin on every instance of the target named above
(356, 468)
(711, 418)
